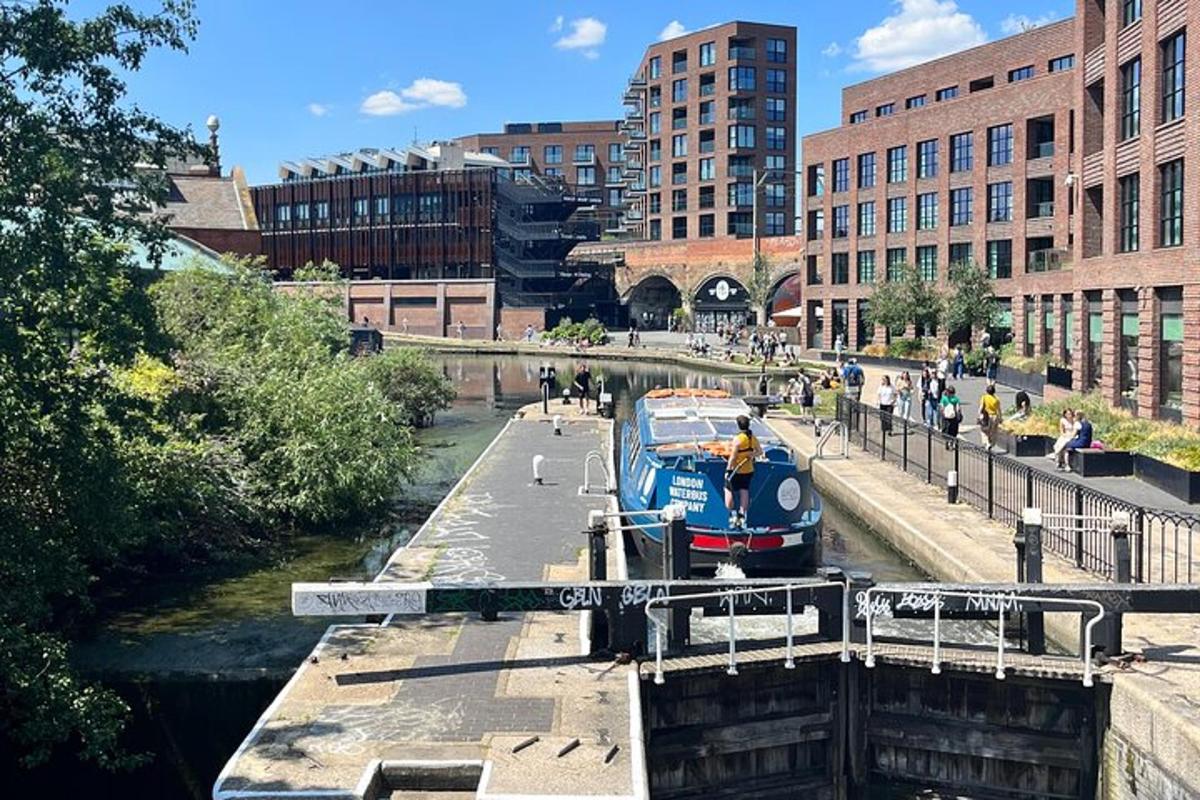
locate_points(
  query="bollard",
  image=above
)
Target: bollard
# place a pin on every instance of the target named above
(1031, 519)
(545, 398)
(829, 618)
(952, 486)
(558, 425)
(677, 565)
(566, 397)
(1122, 573)
(537, 469)
(1019, 546)
(597, 546)
(859, 583)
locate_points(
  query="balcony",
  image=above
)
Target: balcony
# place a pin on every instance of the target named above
(1050, 260)
(584, 159)
(1041, 210)
(634, 112)
(635, 134)
(633, 165)
(1041, 150)
(741, 53)
(519, 160)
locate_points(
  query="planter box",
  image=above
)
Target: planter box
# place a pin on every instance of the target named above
(1031, 383)
(1180, 483)
(1089, 463)
(1024, 446)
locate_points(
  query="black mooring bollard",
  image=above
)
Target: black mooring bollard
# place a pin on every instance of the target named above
(677, 566)
(597, 547)
(859, 583)
(952, 486)
(1122, 573)
(1032, 519)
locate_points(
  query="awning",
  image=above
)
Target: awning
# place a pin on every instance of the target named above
(791, 313)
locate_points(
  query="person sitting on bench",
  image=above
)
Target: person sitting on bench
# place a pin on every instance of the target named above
(1082, 440)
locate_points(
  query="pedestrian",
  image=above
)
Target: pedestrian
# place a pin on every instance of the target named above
(582, 385)
(807, 396)
(960, 362)
(989, 416)
(1022, 407)
(1082, 440)
(529, 332)
(887, 404)
(992, 359)
(404, 325)
(1066, 432)
(925, 384)
(462, 329)
(904, 395)
(739, 472)
(839, 345)
(853, 379)
(943, 363)
(499, 333)
(951, 414)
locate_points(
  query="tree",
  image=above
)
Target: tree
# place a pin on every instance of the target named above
(970, 300)
(910, 300)
(760, 286)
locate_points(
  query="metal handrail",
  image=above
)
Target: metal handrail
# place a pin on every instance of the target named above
(834, 426)
(586, 488)
(730, 594)
(938, 594)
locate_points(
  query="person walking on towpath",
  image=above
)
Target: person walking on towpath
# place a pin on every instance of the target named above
(989, 416)
(904, 395)
(839, 346)
(951, 414)
(853, 379)
(887, 404)
(583, 385)
(960, 362)
(739, 471)
(462, 329)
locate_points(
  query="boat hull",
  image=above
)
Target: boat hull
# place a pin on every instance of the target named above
(730, 547)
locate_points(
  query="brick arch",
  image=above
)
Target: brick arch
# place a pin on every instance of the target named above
(647, 275)
(729, 274)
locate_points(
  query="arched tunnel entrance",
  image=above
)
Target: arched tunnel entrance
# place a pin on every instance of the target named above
(652, 301)
(721, 301)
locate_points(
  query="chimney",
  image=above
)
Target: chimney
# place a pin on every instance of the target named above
(214, 124)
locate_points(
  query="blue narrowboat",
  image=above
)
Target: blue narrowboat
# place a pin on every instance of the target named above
(675, 450)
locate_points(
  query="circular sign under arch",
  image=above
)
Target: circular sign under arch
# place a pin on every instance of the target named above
(722, 290)
(788, 494)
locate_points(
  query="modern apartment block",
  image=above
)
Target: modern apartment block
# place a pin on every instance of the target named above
(587, 155)
(707, 113)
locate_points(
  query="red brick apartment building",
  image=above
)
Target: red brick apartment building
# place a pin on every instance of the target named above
(1060, 159)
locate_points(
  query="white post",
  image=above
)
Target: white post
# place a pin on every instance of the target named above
(790, 661)
(870, 662)
(732, 640)
(1000, 645)
(846, 621)
(937, 634)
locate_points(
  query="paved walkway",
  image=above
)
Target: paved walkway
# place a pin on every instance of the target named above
(450, 687)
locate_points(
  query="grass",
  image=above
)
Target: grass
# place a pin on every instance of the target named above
(1118, 430)
(824, 404)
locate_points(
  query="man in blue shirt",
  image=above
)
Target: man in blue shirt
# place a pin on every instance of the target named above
(853, 379)
(1082, 440)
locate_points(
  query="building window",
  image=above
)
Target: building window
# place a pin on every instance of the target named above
(1000, 202)
(777, 81)
(1172, 56)
(866, 266)
(776, 109)
(857, 117)
(585, 153)
(927, 158)
(679, 62)
(615, 196)
(656, 175)
(741, 195)
(741, 108)
(885, 110)
(615, 152)
(490, 151)
(1131, 99)
(927, 262)
(1131, 12)
(656, 203)
(897, 208)
(708, 169)
(678, 227)
(999, 258)
(679, 145)
(1062, 63)
(775, 195)
(707, 115)
(962, 152)
(841, 222)
(1130, 198)
(897, 158)
(1000, 145)
(708, 84)
(776, 138)
(552, 154)
(553, 172)
(776, 163)
(655, 96)
(585, 176)
(655, 67)
(519, 155)
(614, 175)
(321, 209)
(381, 208)
(679, 91)
(1170, 177)
(777, 51)
(841, 267)
(816, 180)
(707, 197)
(841, 175)
(362, 208)
(915, 102)
(866, 170)
(927, 211)
(740, 167)
(949, 93)
(741, 136)
(1170, 311)
(960, 253)
(1130, 331)
(679, 173)
(960, 206)
(708, 226)
(866, 218)
(1020, 74)
(742, 79)
(655, 122)
(655, 150)
(897, 259)
(678, 119)
(776, 224)
(708, 57)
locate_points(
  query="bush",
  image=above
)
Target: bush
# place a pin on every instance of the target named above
(590, 330)
(976, 361)
(875, 350)
(917, 349)
(412, 382)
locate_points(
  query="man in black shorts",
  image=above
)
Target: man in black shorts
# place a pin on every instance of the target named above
(583, 385)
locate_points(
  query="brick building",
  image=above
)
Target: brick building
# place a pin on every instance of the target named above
(587, 155)
(708, 113)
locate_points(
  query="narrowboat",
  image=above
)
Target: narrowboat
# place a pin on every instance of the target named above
(675, 450)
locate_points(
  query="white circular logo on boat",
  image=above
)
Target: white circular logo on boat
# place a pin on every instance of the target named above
(722, 290)
(788, 494)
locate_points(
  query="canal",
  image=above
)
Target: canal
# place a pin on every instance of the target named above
(199, 656)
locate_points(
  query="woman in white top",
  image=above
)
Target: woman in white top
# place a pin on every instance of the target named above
(1066, 432)
(887, 403)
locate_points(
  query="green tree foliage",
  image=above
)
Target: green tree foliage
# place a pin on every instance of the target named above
(759, 286)
(909, 300)
(408, 379)
(970, 300)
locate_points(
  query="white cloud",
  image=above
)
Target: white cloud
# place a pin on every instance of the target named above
(918, 30)
(318, 109)
(674, 28)
(557, 25)
(1016, 23)
(587, 34)
(832, 50)
(421, 93)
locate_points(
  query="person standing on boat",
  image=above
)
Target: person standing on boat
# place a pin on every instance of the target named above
(739, 471)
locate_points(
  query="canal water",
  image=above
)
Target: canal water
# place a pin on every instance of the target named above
(199, 656)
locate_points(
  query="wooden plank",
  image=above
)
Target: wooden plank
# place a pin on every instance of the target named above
(974, 739)
(697, 741)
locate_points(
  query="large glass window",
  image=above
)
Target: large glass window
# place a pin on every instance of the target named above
(1171, 204)
(552, 154)
(1131, 12)
(655, 67)
(927, 158)
(679, 91)
(679, 145)
(866, 218)
(1020, 74)
(866, 266)
(841, 222)
(897, 158)
(1130, 330)
(1170, 366)
(777, 51)
(585, 176)
(841, 175)
(741, 136)
(519, 155)
(708, 54)
(1173, 58)
(897, 208)
(897, 259)
(708, 169)
(655, 122)
(960, 253)
(776, 223)
(777, 81)
(949, 93)
(1095, 339)
(927, 211)
(960, 206)
(840, 262)
(1131, 99)
(742, 79)
(741, 194)
(776, 137)
(1000, 145)
(776, 109)
(1000, 201)
(1130, 191)
(616, 152)
(866, 170)
(999, 258)
(775, 195)
(927, 262)
(962, 152)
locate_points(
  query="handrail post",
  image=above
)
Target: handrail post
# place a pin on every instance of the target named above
(904, 447)
(1000, 644)
(936, 669)
(1032, 518)
(929, 453)
(1079, 526)
(846, 620)
(869, 663)
(658, 648)
(990, 484)
(790, 661)
(732, 669)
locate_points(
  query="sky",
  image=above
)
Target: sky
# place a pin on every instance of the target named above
(311, 77)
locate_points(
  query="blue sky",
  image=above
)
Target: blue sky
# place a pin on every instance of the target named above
(307, 77)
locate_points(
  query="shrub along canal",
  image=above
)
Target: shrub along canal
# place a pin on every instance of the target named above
(199, 656)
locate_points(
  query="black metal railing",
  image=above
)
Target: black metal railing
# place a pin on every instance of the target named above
(1166, 544)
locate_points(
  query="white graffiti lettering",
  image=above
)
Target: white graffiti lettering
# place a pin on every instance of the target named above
(639, 594)
(881, 606)
(919, 601)
(576, 597)
(994, 603)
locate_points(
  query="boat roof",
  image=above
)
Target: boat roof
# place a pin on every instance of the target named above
(693, 417)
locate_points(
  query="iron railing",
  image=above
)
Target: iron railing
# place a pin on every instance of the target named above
(1165, 544)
